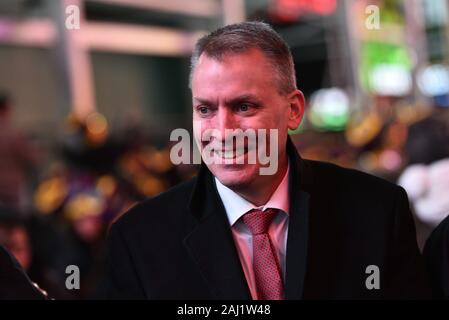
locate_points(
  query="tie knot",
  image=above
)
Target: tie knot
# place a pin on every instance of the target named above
(258, 221)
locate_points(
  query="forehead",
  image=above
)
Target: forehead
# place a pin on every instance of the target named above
(249, 71)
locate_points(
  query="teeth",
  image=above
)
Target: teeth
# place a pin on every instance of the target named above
(230, 154)
(225, 154)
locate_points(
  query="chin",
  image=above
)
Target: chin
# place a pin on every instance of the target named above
(235, 176)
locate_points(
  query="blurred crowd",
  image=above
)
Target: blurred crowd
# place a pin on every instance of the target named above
(55, 210)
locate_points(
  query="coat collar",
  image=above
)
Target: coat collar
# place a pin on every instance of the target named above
(212, 246)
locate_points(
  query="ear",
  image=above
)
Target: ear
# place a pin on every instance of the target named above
(297, 106)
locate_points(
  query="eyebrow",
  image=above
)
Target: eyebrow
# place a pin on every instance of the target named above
(244, 97)
(233, 101)
(204, 101)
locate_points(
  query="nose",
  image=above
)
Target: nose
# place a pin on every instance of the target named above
(225, 122)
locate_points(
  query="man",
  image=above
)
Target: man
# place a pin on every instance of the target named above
(306, 230)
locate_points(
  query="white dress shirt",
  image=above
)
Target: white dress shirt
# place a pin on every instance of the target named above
(236, 206)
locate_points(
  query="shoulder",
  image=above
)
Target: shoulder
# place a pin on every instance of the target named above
(439, 237)
(167, 207)
(436, 256)
(348, 182)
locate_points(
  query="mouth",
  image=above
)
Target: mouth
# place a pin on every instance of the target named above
(230, 154)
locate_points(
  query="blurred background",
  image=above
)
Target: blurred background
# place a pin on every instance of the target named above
(91, 89)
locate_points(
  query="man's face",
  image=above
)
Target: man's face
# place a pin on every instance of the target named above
(240, 92)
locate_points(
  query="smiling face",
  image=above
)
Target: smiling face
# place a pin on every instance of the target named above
(240, 92)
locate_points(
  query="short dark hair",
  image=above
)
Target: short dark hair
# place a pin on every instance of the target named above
(239, 38)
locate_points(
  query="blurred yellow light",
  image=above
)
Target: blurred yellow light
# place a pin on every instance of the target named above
(96, 123)
(359, 133)
(84, 205)
(106, 185)
(50, 195)
(97, 128)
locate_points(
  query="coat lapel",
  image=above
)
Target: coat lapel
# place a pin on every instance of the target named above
(211, 243)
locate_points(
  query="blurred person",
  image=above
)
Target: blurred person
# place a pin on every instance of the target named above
(428, 139)
(436, 254)
(426, 181)
(17, 157)
(379, 135)
(85, 213)
(15, 237)
(309, 230)
(426, 178)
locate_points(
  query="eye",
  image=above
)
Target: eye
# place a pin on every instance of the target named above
(244, 107)
(203, 110)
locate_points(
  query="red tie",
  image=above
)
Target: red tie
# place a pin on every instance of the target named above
(267, 271)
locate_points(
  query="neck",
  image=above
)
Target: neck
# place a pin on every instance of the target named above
(261, 190)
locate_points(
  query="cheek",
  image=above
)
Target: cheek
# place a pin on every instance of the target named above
(260, 121)
(197, 129)
(275, 117)
(282, 121)
(203, 131)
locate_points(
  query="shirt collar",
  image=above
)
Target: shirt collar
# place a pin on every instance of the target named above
(236, 206)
